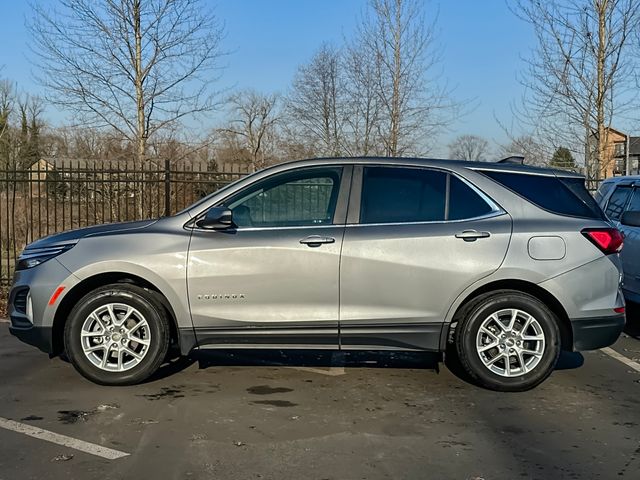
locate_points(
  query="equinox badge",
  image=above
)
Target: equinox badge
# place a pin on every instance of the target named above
(221, 296)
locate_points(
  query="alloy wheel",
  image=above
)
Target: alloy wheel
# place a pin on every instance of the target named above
(115, 337)
(510, 342)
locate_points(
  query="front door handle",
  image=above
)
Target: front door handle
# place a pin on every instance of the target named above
(472, 235)
(316, 240)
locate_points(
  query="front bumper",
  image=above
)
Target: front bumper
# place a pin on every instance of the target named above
(29, 312)
(37, 336)
(596, 332)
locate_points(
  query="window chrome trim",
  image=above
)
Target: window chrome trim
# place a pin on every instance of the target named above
(260, 229)
(495, 213)
(494, 206)
(554, 174)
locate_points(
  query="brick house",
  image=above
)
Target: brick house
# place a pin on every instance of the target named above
(614, 163)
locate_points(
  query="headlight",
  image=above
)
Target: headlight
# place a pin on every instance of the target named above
(32, 257)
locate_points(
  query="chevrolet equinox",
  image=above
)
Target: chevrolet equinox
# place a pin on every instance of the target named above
(501, 265)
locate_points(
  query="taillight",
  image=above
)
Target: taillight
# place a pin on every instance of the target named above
(608, 240)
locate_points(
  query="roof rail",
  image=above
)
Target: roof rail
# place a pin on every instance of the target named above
(516, 159)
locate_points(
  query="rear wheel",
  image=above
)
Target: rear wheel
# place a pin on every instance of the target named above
(508, 341)
(117, 335)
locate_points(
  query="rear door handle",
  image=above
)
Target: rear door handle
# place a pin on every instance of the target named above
(316, 240)
(472, 235)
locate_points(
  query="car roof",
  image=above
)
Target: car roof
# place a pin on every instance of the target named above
(437, 162)
(627, 178)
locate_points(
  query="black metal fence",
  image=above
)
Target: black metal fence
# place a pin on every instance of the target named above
(51, 197)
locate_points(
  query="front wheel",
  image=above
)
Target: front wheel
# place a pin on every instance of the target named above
(508, 341)
(117, 335)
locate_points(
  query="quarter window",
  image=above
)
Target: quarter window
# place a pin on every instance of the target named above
(299, 198)
(465, 202)
(397, 194)
(616, 204)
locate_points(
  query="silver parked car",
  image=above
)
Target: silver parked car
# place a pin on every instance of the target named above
(501, 264)
(620, 199)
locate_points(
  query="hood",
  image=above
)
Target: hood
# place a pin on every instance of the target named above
(73, 236)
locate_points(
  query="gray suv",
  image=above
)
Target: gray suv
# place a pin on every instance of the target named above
(498, 264)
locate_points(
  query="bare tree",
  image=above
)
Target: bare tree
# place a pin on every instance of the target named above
(289, 145)
(363, 121)
(34, 107)
(7, 102)
(315, 106)
(469, 147)
(578, 76)
(137, 66)
(413, 106)
(253, 118)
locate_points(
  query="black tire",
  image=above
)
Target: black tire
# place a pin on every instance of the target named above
(130, 295)
(470, 322)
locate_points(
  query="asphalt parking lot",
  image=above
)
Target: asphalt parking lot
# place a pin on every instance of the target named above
(319, 415)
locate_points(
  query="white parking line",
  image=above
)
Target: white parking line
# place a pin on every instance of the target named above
(621, 358)
(47, 436)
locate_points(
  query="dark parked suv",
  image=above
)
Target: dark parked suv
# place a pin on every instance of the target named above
(503, 264)
(620, 199)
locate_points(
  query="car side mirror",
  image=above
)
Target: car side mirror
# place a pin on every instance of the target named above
(216, 218)
(631, 218)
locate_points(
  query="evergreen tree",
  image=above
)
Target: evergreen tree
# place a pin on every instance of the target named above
(562, 158)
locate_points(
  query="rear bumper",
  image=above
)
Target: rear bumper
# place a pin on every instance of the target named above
(596, 332)
(37, 336)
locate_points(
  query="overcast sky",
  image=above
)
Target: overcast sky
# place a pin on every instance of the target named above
(482, 43)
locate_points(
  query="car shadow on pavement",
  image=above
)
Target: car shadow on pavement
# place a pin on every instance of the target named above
(566, 361)
(317, 359)
(329, 359)
(171, 367)
(569, 360)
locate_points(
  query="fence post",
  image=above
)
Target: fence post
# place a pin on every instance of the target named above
(167, 188)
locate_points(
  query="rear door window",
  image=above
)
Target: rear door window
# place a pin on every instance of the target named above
(617, 201)
(391, 195)
(561, 195)
(402, 194)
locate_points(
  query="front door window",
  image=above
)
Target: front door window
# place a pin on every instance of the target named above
(293, 199)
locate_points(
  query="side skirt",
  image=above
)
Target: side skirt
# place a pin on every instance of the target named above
(253, 336)
(391, 336)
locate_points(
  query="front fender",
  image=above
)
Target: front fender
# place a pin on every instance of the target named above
(173, 289)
